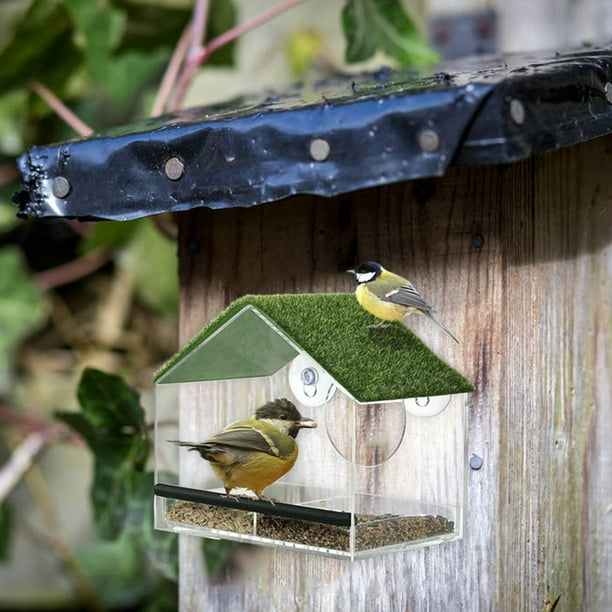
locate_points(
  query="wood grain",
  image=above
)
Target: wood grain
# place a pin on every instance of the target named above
(532, 309)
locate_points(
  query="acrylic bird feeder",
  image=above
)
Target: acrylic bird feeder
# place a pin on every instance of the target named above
(385, 469)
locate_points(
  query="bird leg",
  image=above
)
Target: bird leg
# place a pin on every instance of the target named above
(228, 495)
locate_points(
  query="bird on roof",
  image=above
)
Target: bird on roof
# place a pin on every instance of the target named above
(390, 297)
(253, 454)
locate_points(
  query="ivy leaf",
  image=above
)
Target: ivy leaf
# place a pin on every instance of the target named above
(98, 27)
(42, 48)
(21, 308)
(108, 402)
(383, 24)
(112, 423)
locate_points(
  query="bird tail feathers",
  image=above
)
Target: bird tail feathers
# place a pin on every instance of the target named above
(435, 319)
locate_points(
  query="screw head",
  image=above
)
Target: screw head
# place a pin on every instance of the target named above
(319, 149)
(517, 111)
(476, 462)
(478, 241)
(174, 168)
(60, 187)
(429, 140)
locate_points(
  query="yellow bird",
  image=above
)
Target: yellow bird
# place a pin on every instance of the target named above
(388, 296)
(255, 453)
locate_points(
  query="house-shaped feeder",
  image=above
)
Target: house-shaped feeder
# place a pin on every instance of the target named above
(384, 470)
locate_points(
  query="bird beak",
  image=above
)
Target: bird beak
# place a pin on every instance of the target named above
(351, 271)
(305, 423)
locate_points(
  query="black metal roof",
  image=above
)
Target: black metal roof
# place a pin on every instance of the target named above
(334, 137)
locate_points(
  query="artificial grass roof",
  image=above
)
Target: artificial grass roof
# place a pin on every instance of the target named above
(370, 364)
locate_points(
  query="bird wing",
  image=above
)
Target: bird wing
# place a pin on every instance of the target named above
(239, 437)
(398, 290)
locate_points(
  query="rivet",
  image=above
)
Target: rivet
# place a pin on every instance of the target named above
(517, 111)
(319, 149)
(608, 90)
(429, 140)
(174, 168)
(60, 187)
(476, 462)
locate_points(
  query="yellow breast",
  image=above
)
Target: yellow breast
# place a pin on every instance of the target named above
(255, 472)
(386, 311)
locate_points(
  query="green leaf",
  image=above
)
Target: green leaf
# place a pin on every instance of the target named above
(221, 18)
(153, 259)
(218, 556)
(42, 48)
(371, 25)
(21, 308)
(111, 234)
(6, 530)
(98, 29)
(160, 547)
(303, 47)
(107, 401)
(151, 25)
(112, 424)
(117, 570)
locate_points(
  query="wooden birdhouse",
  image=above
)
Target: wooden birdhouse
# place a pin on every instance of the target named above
(487, 183)
(384, 471)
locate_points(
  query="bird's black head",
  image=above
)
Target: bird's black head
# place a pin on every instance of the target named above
(284, 415)
(367, 272)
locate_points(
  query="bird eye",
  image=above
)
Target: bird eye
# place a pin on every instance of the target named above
(283, 416)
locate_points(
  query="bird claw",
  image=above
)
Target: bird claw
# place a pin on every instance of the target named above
(230, 496)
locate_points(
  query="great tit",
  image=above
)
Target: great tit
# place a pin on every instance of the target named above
(388, 296)
(253, 454)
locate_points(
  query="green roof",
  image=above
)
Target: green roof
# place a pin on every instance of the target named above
(259, 334)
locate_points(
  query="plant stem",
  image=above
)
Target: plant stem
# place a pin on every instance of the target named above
(61, 109)
(72, 270)
(172, 70)
(200, 18)
(193, 62)
(23, 455)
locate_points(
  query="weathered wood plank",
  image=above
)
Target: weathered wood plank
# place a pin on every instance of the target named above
(532, 308)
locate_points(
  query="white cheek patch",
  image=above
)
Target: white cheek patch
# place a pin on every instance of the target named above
(365, 277)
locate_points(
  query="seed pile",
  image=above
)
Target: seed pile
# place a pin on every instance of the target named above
(373, 531)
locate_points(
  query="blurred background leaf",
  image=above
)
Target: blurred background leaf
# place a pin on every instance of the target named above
(373, 25)
(21, 309)
(111, 421)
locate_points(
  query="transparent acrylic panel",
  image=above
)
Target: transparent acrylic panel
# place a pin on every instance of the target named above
(399, 477)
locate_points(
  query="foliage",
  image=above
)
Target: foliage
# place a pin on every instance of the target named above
(74, 294)
(120, 562)
(21, 308)
(370, 25)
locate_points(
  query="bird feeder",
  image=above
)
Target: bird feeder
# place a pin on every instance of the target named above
(385, 469)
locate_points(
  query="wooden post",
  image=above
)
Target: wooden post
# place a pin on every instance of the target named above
(531, 305)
